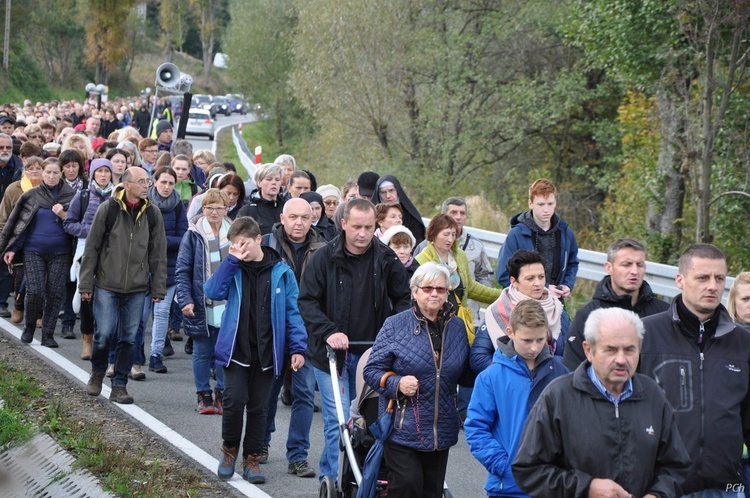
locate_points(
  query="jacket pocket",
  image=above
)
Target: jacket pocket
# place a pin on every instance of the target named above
(675, 377)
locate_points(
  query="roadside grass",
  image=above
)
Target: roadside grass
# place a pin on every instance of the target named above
(126, 470)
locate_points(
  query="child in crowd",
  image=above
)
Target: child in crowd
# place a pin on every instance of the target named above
(261, 322)
(505, 392)
(402, 241)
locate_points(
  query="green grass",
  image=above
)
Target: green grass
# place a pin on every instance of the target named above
(18, 392)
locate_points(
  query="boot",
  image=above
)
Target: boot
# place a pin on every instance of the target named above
(88, 346)
(28, 335)
(49, 341)
(251, 470)
(226, 463)
(155, 364)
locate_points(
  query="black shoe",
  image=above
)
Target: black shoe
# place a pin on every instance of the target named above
(155, 364)
(49, 342)
(4, 313)
(286, 397)
(67, 333)
(27, 336)
(189, 346)
(168, 349)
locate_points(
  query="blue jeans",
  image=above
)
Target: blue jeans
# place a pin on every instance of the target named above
(735, 491)
(329, 460)
(303, 407)
(161, 322)
(138, 355)
(117, 318)
(203, 354)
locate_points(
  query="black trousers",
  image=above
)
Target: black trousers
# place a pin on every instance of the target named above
(246, 393)
(413, 473)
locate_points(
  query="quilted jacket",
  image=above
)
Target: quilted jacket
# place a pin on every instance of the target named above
(427, 421)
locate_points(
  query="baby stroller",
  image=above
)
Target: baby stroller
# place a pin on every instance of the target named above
(356, 439)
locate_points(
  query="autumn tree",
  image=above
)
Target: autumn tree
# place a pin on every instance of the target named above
(174, 17)
(106, 38)
(210, 16)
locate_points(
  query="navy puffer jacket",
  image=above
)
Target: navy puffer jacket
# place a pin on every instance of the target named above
(175, 219)
(403, 346)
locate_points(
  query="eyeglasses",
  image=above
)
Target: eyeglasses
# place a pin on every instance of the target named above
(34, 137)
(151, 151)
(331, 203)
(214, 209)
(6, 147)
(429, 288)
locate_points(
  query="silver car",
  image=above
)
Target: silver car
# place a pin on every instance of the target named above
(200, 123)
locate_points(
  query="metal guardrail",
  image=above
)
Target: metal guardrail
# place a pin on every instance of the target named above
(591, 265)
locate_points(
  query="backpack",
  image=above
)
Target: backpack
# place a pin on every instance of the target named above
(112, 217)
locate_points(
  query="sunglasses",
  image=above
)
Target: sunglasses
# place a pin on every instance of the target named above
(428, 289)
(331, 203)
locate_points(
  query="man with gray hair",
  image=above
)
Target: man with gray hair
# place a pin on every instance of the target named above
(635, 449)
(11, 168)
(623, 287)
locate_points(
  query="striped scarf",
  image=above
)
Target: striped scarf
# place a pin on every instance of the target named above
(218, 249)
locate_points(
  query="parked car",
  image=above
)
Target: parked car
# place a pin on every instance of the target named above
(222, 105)
(204, 102)
(237, 103)
(201, 123)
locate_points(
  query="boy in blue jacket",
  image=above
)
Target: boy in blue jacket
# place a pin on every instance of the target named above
(505, 392)
(260, 322)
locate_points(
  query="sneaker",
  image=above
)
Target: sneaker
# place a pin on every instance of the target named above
(301, 469)
(219, 401)
(4, 313)
(174, 335)
(137, 373)
(263, 455)
(251, 470)
(120, 395)
(155, 364)
(94, 386)
(205, 403)
(67, 332)
(110, 370)
(226, 463)
(189, 346)
(168, 349)
(49, 341)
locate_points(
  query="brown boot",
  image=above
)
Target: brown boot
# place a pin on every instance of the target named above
(88, 346)
(251, 470)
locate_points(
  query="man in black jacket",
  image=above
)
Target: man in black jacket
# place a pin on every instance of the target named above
(348, 290)
(623, 287)
(603, 430)
(11, 168)
(701, 360)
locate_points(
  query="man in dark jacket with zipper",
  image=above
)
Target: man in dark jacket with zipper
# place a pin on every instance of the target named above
(125, 257)
(296, 241)
(701, 359)
(603, 430)
(623, 287)
(348, 290)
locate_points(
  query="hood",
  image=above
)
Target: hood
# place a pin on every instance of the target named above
(604, 292)
(258, 199)
(506, 353)
(527, 219)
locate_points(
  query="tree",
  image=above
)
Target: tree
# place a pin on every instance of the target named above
(55, 33)
(174, 16)
(106, 37)
(210, 19)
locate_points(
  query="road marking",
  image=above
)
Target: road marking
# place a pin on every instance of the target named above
(143, 417)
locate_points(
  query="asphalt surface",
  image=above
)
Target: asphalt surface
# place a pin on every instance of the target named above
(171, 399)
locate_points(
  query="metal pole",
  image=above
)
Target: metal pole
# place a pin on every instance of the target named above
(6, 40)
(153, 111)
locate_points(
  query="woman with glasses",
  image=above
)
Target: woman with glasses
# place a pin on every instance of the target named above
(35, 227)
(149, 154)
(331, 199)
(419, 357)
(78, 223)
(527, 281)
(203, 248)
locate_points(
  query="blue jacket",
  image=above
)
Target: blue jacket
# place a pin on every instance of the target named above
(403, 346)
(77, 223)
(503, 396)
(286, 322)
(521, 236)
(175, 226)
(192, 270)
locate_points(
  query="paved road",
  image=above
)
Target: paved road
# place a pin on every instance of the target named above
(171, 399)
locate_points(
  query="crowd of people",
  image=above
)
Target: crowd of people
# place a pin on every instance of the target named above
(142, 236)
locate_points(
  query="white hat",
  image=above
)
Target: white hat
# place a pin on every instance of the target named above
(388, 235)
(328, 191)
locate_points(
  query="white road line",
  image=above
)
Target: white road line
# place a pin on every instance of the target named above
(140, 415)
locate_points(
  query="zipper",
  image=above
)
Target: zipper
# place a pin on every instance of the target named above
(703, 411)
(437, 384)
(701, 330)
(683, 388)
